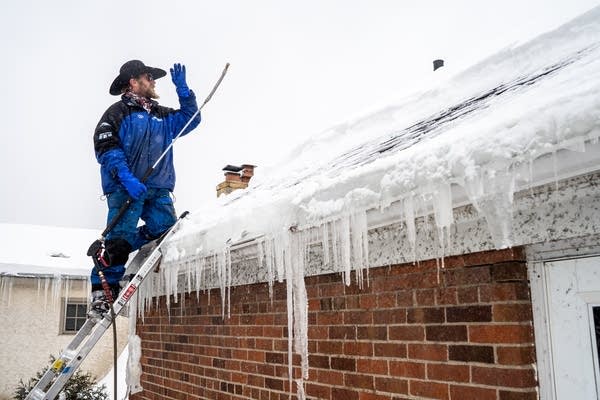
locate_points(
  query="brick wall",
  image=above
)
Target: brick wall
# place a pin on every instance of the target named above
(403, 337)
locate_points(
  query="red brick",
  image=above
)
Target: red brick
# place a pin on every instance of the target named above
(501, 334)
(316, 361)
(471, 393)
(433, 352)
(391, 385)
(343, 364)
(482, 354)
(272, 383)
(358, 348)
(446, 333)
(390, 350)
(316, 332)
(431, 390)
(342, 332)
(346, 394)
(425, 315)
(469, 314)
(448, 372)
(522, 355)
(517, 378)
(504, 292)
(468, 276)
(405, 298)
(468, 295)
(494, 256)
(508, 395)
(407, 333)
(330, 377)
(372, 366)
(331, 290)
(447, 296)
(362, 381)
(425, 297)
(373, 396)
(330, 318)
(328, 347)
(512, 312)
(509, 272)
(386, 300)
(358, 318)
(318, 391)
(393, 316)
(407, 369)
(368, 301)
(371, 333)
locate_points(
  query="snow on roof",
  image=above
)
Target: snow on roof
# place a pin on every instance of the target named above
(44, 250)
(472, 131)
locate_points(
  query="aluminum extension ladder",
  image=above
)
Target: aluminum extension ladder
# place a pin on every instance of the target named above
(61, 370)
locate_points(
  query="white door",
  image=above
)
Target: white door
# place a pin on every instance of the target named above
(573, 299)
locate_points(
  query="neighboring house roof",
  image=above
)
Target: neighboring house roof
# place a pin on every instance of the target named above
(477, 138)
(34, 250)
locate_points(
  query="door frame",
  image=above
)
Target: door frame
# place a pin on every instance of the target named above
(541, 327)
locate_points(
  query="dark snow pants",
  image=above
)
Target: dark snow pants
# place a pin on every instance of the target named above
(155, 209)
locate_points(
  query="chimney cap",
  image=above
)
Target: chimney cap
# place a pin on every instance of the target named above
(232, 168)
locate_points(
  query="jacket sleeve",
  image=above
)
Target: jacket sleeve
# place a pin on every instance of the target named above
(115, 162)
(106, 135)
(107, 143)
(179, 118)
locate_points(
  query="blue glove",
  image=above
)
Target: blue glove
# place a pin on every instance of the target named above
(114, 161)
(134, 187)
(178, 78)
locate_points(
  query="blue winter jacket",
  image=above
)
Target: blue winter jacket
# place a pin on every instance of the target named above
(126, 133)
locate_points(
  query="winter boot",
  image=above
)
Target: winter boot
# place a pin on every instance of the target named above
(99, 304)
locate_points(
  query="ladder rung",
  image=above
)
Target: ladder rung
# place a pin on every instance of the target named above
(37, 394)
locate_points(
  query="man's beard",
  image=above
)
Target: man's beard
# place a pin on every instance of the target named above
(150, 93)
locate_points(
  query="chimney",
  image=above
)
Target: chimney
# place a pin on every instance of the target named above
(437, 64)
(235, 178)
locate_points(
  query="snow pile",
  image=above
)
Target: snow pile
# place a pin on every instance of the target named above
(475, 131)
(538, 98)
(45, 250)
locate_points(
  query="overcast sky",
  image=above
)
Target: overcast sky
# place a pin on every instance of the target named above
(296, 69)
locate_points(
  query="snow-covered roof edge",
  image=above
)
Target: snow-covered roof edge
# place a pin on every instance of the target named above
(482, 151)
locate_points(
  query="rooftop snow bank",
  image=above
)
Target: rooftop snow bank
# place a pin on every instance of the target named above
(472, 131)
(44, 250)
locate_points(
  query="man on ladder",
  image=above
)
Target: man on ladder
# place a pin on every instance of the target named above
(131, 135)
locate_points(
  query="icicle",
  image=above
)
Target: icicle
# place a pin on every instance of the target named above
(56, 286)
(133, 372)
(228, 264)
(269, 258)
(301, 393)
(492, 196)
(444, 218)
(359, 234)
(46, 287)
(6, 285)
(344, 246)
(297, 302)
(555, 169)
(325, 242)
(411, 230)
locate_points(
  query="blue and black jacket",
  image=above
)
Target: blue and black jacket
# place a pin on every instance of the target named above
(126, 133)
